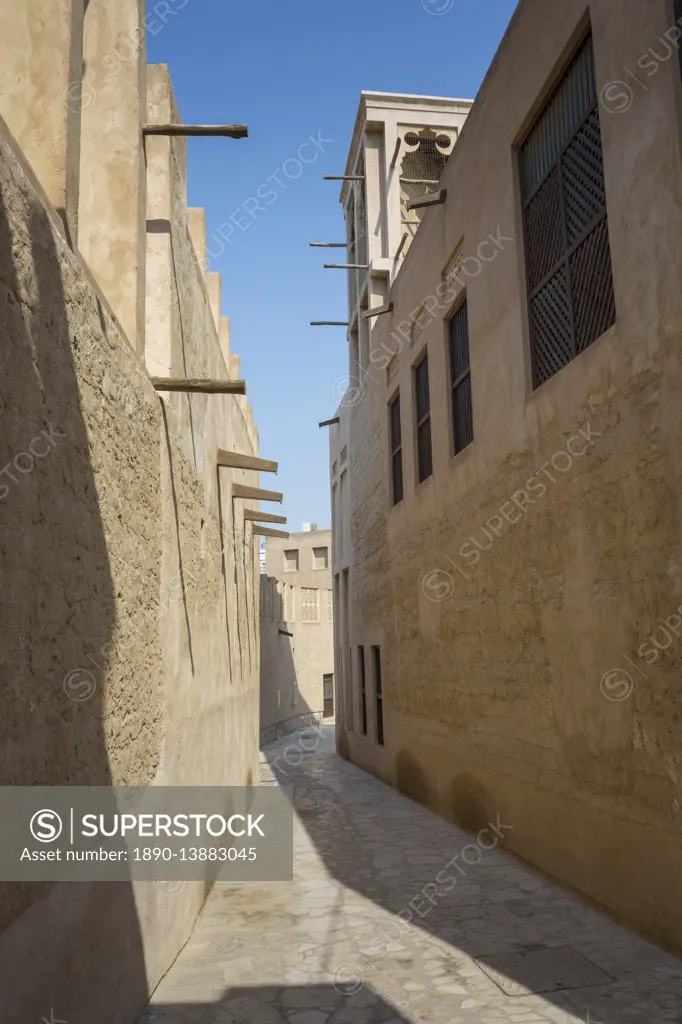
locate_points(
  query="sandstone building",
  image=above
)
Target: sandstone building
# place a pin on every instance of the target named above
(130, 650)
(296, 633)
(505, 475)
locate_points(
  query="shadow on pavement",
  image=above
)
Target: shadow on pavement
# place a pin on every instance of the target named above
(528, 936)
(274, 1004)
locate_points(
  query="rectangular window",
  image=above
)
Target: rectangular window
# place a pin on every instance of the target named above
(378, 695)
(291, 560)
(328, 695)
(310, 605)
(568, 258)
(347, 684)
(320, 558)
(423, 419)
(460, 380)
(341, 532)
(396, 451)
(338, 657)
(363, 689)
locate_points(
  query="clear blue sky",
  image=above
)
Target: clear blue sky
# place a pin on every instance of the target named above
(289, 69)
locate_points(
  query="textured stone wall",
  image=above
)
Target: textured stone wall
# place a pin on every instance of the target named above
(505, 644)
(129, 621)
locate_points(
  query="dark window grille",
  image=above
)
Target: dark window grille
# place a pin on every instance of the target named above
(460, 380)
(423, 418)
(378, 695)
(568, 259)
(396, 451)
(363, 689)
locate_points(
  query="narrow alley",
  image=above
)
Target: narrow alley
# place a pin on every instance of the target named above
(396, 915)
(340, 505)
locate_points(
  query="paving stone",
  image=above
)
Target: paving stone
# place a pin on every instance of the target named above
(309, 1017)
(329, 947)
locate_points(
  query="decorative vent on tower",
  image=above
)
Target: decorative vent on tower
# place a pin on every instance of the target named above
(425, 154)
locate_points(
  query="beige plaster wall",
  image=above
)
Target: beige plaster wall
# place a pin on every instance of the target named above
(41, 93)
(292, 668)
(111, 228)
(493, 672)
(129, 615)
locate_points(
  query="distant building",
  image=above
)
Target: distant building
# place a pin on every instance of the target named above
(296, 643)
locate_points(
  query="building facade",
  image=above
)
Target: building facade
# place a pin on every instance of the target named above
(296, 637)
(399, 148)
(130, 577)
(507, 548)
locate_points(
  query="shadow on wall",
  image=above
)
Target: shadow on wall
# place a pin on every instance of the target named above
(57, 603)
(347, 836)
(293, 712)
(283, 709)
(272, 1003)
(468, 804)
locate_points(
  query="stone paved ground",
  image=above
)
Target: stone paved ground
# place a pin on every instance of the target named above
(336, 946)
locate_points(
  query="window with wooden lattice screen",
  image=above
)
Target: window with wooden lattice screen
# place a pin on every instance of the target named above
(310, 608)
(568, 259)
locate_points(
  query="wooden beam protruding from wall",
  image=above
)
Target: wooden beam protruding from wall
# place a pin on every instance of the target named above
(265, 531)
(431, 199)
(235, 460)
(346, 266)
(230, 131)
(196, 385)
(242, 491)
(377, 311)
(253, 515)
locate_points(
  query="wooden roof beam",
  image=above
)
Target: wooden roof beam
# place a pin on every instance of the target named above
(194, 385)
(346, 266)
(235, 460)
(254, 515)
(230, 131)
(377, 311)
(265, 531)
(434, 199)
(242, 491)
